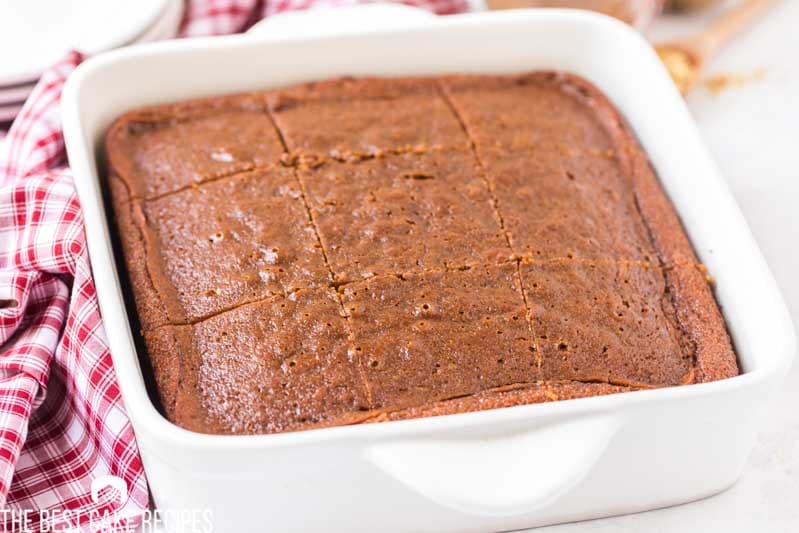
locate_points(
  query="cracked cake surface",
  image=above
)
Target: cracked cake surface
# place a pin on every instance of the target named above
(362, 250)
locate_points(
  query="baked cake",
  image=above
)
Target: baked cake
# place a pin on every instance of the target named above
(360, 250)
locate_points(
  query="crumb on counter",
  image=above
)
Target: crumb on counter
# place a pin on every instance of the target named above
(721, 82)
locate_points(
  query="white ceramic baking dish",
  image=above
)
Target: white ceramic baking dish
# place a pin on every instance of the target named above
(494, 470)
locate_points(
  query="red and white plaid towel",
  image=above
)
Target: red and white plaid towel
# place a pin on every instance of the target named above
(62, 421)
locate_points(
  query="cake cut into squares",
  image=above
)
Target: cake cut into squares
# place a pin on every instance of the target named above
(280, 364)
(604, 321)
(229, 242)
(400, 213)
(364, 250)
(161, 149)
(366, 117)
(439, 335)
(557, 203)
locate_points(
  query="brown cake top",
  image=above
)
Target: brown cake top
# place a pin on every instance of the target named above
(158, 150)
(377, 249)
(274, 365)
(403, 213)
(352, 118)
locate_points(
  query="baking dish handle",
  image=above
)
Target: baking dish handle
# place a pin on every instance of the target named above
(500, 475)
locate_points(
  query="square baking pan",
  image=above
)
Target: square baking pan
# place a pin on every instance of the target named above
(501, 469)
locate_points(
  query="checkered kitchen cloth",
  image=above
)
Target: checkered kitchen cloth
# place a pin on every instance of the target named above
(62, 421)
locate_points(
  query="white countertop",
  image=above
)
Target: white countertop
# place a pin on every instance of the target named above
(753, 131)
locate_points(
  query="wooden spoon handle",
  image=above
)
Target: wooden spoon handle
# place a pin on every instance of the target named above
(708, 43)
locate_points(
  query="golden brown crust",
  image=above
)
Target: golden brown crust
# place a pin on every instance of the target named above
(352, 119)
(348, 89)
(702, 323)
(166, 348)
(155, 302)
(693, 308)
(400, 198)
(604, 321)
(416, 247)
(160, 149)
(440, 334)
(696, 311)
(280, 364)
(250, 240)
(510, 396)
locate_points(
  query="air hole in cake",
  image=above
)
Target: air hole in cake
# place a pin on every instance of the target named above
(374, 363)
(421, 176)
(562, 346)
